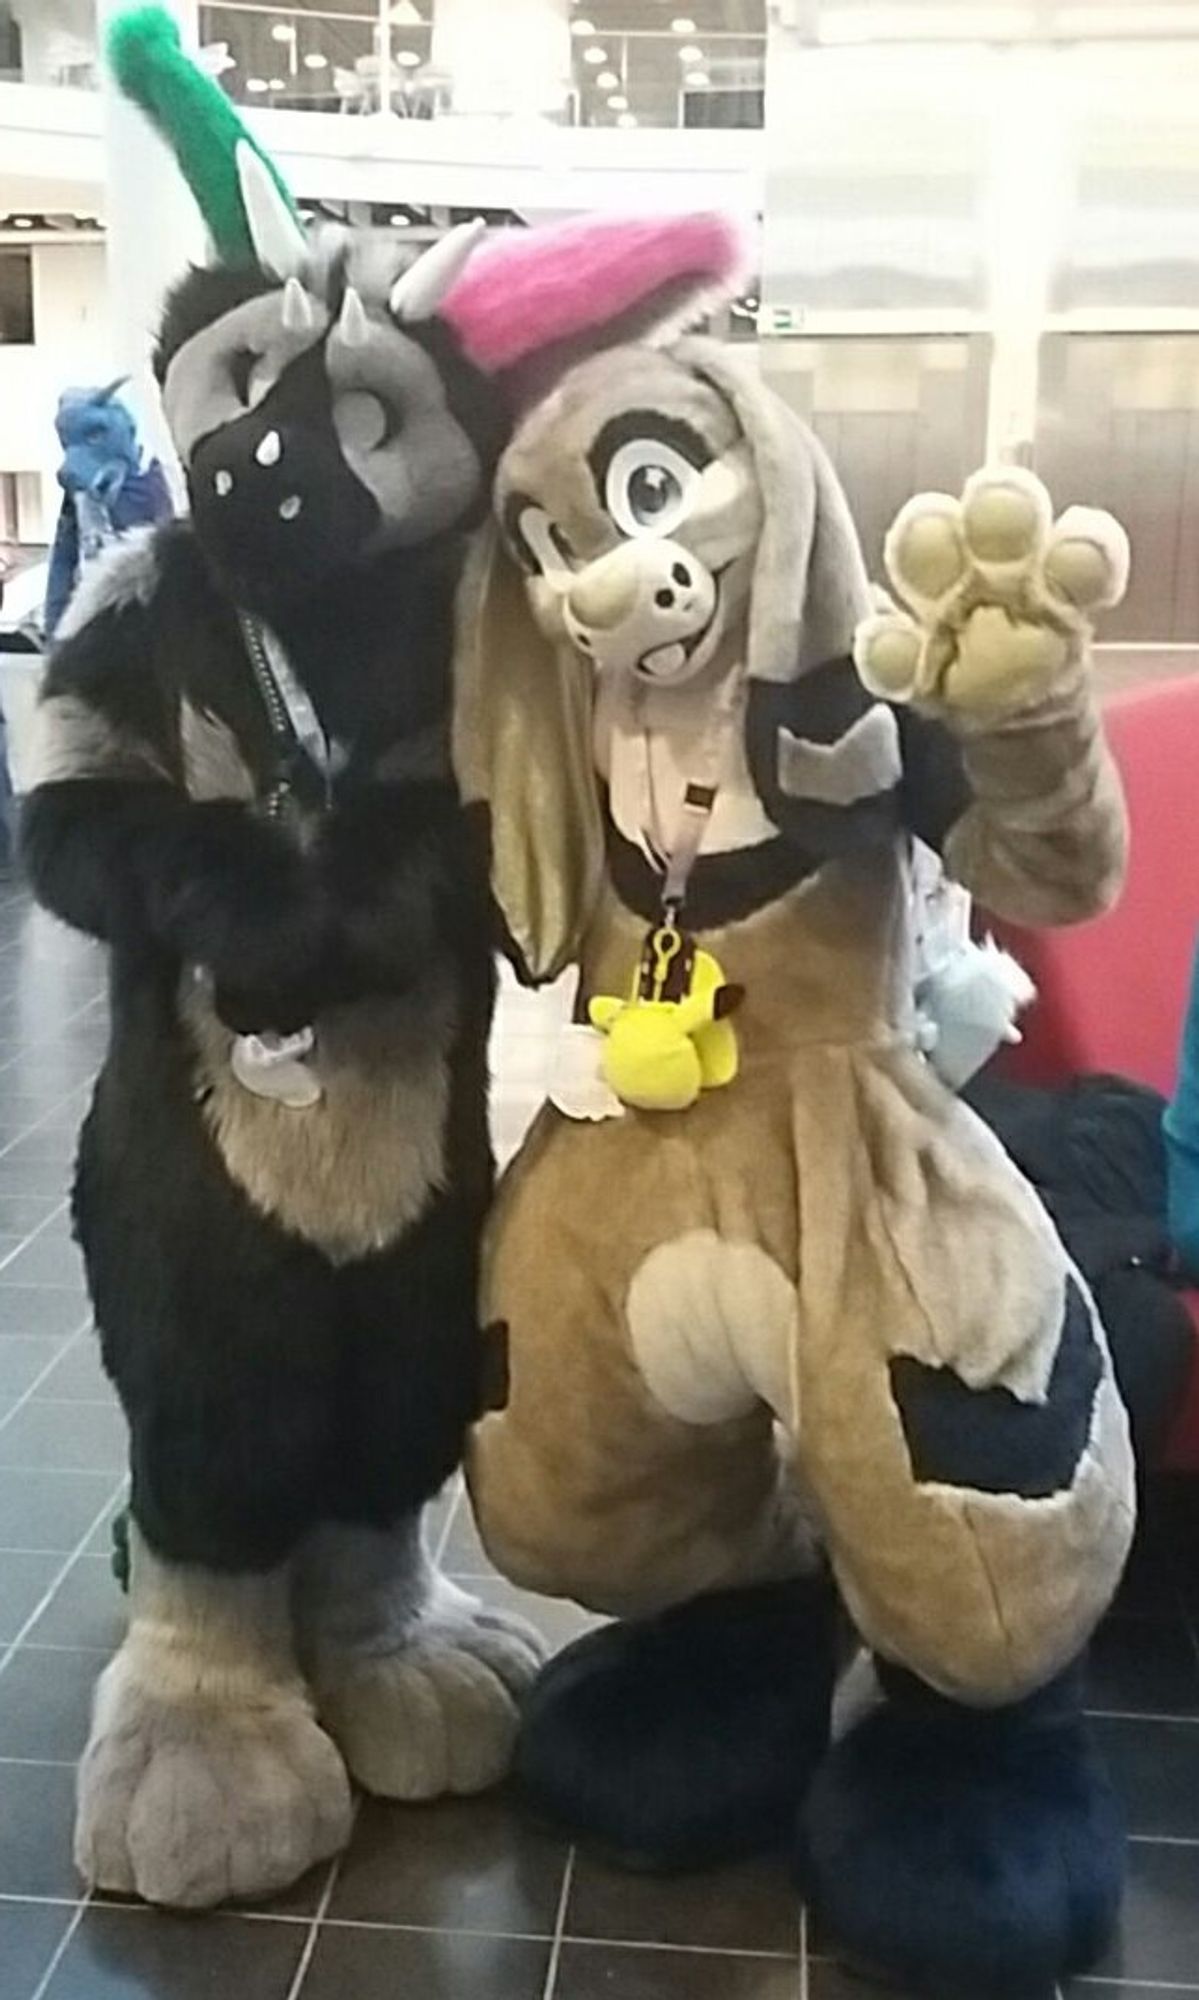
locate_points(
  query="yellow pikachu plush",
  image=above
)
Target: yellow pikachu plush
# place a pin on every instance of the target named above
(660, 1054)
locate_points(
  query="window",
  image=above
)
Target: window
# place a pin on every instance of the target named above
(16, 298)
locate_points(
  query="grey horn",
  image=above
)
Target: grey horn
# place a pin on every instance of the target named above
(353, 326)
(417, 294)
(298, 316)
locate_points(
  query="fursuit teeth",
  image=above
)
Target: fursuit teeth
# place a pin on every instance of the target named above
(518, 298)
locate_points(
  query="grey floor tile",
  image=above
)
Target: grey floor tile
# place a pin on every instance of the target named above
(749, 1908)
(45, 1702)
(78, 1375)
(41, 1311)
(29, 1936)
(100, 1541)
(35, 1831)
(49, 1510)
(1159, 1928)
(1156, 1765)
(398, 1965)
(88, 1609)
(66, 1437)
(607, 1972)
(50, 1183)
(832, 1982)
(50, 1259)
(1137, 1667)
(22, 1361)
(24, 1581)
(459, 1865)
(142, 1955)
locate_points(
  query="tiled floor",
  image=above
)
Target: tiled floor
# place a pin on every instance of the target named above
(457, 1900)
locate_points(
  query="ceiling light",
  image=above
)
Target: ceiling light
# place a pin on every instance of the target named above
(607, 80)
(618, 103)
(276, 83)
(400, 221)
(408, 59)
(22, 222)
(283, 31)
(697, 79)
(316, 60)
(691, 54)
(626, 119)
(682, 25)
(582, 27)
(256, 85)
(595, 54)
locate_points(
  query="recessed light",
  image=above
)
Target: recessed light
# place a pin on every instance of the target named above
(607, 80)
(682, 25)
(691, 54)
(256, 85)
(595, 54)
(752, 301)
(408, 59)
(276, 83)
(283, 31)
(618, 103)
(400, 221)
(697, 79)
(626, 119)
(316, 60)
(582, 27)
(22, 222)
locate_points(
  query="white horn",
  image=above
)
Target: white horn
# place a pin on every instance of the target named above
(277, 238)
(298, 316)
(353, 326)
(422, 287)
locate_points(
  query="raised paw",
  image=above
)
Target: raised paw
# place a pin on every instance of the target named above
(188, 1802)
(994, 596)
(439, 1712)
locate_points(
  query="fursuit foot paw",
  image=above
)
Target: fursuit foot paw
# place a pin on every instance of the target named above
(437, 1712)
(997, 596)
(686, 1739)
(189, 1802)
(964, 1853)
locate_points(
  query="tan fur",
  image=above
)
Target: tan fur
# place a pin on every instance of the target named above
(353, 1171)
(73, 740)
(213, 766)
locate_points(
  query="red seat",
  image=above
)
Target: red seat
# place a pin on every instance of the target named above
(1112, 994)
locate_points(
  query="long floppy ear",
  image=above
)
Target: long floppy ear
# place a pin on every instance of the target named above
(522, 747)
(825, 757)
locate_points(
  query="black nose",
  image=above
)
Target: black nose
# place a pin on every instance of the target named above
(664, 597)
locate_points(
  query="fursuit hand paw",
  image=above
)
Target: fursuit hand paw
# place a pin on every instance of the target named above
(998, 599)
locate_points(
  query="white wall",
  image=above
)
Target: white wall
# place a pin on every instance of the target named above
(72, 344)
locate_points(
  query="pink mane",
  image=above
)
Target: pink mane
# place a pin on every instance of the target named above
(528, 289)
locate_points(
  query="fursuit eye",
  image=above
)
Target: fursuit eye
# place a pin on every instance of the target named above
(650, 487)
(242, 370)
(363, 421)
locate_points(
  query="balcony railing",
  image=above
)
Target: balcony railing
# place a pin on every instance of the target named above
(360, 57)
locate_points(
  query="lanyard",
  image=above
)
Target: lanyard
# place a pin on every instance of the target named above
(699, 801)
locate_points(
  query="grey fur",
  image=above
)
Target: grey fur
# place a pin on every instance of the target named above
(859, 765)
(71, 740)
(424, 474)
(127, 573)
(198, 393)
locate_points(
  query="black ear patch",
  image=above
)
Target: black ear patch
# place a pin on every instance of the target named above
(821, 706)
(987, 1439)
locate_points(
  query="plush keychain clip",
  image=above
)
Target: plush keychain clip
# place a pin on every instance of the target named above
(672, 1038)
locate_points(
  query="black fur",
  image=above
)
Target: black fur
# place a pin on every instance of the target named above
(977, 1855)
(685, 1739)
(267, 1388)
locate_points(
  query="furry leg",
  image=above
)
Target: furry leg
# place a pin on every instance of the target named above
(418, 1684)
(966, 1851)
(206, 1776)
(688, 1738)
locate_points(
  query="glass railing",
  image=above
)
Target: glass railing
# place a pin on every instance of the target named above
(359, 57)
